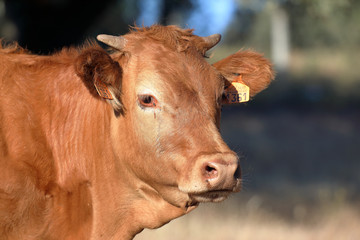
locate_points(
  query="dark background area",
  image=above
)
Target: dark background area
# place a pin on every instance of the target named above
(299, 140)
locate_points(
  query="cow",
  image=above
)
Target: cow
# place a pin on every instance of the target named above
(100, 144)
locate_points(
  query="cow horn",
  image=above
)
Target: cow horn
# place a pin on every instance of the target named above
(211, 40)
(117, 42)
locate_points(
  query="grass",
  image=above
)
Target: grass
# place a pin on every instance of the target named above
(251, 218)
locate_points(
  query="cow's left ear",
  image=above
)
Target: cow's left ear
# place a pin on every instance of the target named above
(101, 74)
(255, 70)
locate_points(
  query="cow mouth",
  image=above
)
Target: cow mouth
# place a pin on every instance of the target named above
(210, 196)
(214, 195)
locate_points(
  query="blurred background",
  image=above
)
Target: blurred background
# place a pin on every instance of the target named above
(299, 140)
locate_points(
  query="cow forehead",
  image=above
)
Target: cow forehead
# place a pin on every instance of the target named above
(177, 73)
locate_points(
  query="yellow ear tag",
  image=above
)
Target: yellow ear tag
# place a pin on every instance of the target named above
(237, 92)
(102, 89)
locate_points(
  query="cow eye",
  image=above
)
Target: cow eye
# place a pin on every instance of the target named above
(147, 101)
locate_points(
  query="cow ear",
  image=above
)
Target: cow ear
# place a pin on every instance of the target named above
(101, 74)
(255, 71)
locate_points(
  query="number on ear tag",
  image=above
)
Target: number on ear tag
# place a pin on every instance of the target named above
(237, 92)
(102, 89)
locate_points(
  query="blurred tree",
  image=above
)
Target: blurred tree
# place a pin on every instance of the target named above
(170, 8)
(45, 25)
(163, 12)
(116, 18)
(324, 23)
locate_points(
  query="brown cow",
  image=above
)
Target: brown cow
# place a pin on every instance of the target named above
(100, 146)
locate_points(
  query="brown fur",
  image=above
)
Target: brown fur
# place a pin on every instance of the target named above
(72, 169)
(172, 37)
(37, 121)
(94, 64)
(11, 48)
(256, 71)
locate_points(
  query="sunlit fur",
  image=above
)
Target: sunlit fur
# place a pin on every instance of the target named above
(256, 71)
(77, 166)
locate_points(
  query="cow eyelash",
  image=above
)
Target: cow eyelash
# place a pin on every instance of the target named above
(146, 100)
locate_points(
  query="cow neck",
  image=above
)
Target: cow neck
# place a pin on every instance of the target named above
(76, 126)
(78, 129)
(122, 216)
(124, 204)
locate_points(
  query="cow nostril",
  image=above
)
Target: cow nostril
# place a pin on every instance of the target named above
(210, 171)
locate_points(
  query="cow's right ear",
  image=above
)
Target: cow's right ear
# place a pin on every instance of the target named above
(255, 70)
(101, 74)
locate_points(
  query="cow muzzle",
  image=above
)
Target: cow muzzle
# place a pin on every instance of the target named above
(213, 178)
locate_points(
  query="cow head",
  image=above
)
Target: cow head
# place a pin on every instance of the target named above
(168, 100)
